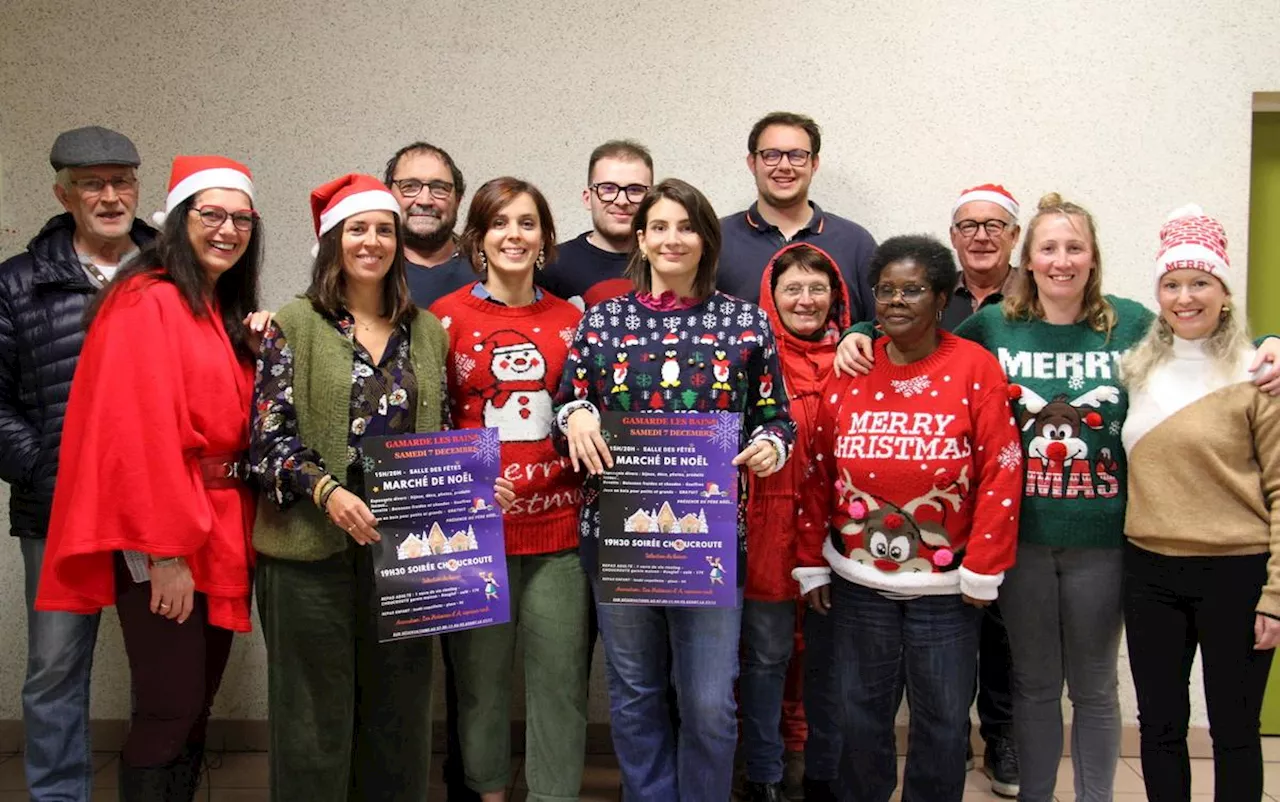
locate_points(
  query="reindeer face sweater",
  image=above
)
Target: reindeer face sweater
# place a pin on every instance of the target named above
(1064, 385)
(504, 366)
(921, 466)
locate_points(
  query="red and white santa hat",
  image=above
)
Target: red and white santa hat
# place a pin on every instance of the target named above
(351, 194)
(504, 341)
(192, 174)
(991, 193)
(1190, 239)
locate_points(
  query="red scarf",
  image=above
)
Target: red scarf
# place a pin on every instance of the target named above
(502, 391)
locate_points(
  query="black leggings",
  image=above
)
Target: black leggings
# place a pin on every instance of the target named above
(1171, 606)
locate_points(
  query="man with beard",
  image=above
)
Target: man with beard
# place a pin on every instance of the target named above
(43, 294)
(589, 267)
(782, 154)
(429, 187)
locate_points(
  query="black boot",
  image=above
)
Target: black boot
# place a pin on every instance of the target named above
(818, 791)
(188, 771)
(147, 783)
(762, 792)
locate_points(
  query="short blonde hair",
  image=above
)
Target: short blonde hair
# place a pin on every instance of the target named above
(1023, 302)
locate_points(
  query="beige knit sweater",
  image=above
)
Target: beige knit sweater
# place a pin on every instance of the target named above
(1204, 464)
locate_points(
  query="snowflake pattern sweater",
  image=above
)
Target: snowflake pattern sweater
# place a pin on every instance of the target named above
(504, 363)
(921, 468)
(718, 355)
(1064, 384)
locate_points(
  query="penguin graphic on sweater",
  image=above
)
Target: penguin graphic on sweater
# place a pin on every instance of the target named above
(580, 384)
(670, 366)
(720, 371)
(620, 373)
(766, 390)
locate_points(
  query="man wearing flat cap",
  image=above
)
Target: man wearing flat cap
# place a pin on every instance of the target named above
(43, 294)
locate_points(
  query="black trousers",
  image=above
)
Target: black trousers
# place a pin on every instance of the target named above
(995, 677)
(174, 669)
(1171, 606)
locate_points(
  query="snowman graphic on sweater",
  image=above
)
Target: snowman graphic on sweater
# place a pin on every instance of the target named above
(517, 403)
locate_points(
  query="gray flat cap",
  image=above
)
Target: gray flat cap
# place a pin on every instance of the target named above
(84, 147)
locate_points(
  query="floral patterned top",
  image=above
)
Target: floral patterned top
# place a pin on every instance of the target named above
(383, 397)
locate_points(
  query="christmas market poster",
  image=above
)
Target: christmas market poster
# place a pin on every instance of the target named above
(669, 509)
(441, 564)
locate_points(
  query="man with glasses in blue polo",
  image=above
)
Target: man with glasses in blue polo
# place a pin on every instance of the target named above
(588, 268)
(429, 187)
(43, 294)
(782, 154)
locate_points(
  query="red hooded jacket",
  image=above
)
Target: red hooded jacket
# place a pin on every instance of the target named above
(775, 502)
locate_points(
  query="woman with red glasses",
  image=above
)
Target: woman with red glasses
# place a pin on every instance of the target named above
(151, 512)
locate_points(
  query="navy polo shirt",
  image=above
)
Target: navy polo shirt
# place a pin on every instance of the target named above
(749, 243)
(429, 284)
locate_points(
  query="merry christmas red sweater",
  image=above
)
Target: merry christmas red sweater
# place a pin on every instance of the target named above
(504, 367)
(921, 466)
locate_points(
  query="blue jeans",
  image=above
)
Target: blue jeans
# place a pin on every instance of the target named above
(657, 764)
(768, 636)
(823, 704)
(932, 641)
(55, 696)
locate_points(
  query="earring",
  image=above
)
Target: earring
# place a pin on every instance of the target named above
(484, 262)
(1225, 313)
(1166, 331)
(940, 311)
(541, 260)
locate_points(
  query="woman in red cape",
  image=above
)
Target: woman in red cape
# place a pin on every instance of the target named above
(150, 511)
(807, 303)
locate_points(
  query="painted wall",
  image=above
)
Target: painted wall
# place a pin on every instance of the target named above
(1129, 108)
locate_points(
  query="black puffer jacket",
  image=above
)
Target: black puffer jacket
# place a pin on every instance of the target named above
(43, 295)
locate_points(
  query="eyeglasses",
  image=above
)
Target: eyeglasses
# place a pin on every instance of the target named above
(993, 227)
(94, 186)
(885, 293)
(411, 187)
(215, 216)
(772, 156)
(608, 191)
(816, 291)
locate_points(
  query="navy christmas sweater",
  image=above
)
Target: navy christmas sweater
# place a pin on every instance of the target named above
(716, 356)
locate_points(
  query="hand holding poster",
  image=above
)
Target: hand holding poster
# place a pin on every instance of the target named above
(669, 509)
(441, 564)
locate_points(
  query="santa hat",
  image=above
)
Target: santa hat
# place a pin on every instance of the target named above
(1190, 239)
(504, 341)
(193, 174)
(990, 193)
(349, 195)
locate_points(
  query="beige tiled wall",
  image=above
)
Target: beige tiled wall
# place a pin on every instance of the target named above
(1131, 108)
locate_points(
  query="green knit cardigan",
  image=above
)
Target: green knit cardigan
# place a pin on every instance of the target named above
(322, 360)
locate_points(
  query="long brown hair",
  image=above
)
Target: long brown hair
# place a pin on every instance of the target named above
(328, 281)
(170, 257)
(1023, 302)
(703, 220)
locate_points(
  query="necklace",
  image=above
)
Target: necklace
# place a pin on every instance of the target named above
(366, 326)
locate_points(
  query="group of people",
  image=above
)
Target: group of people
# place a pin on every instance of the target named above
(958, 482)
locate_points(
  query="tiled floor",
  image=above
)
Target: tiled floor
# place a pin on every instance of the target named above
(242, 777)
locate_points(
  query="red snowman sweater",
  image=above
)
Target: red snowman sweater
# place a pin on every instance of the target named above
(921, 467)
(504, 368)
